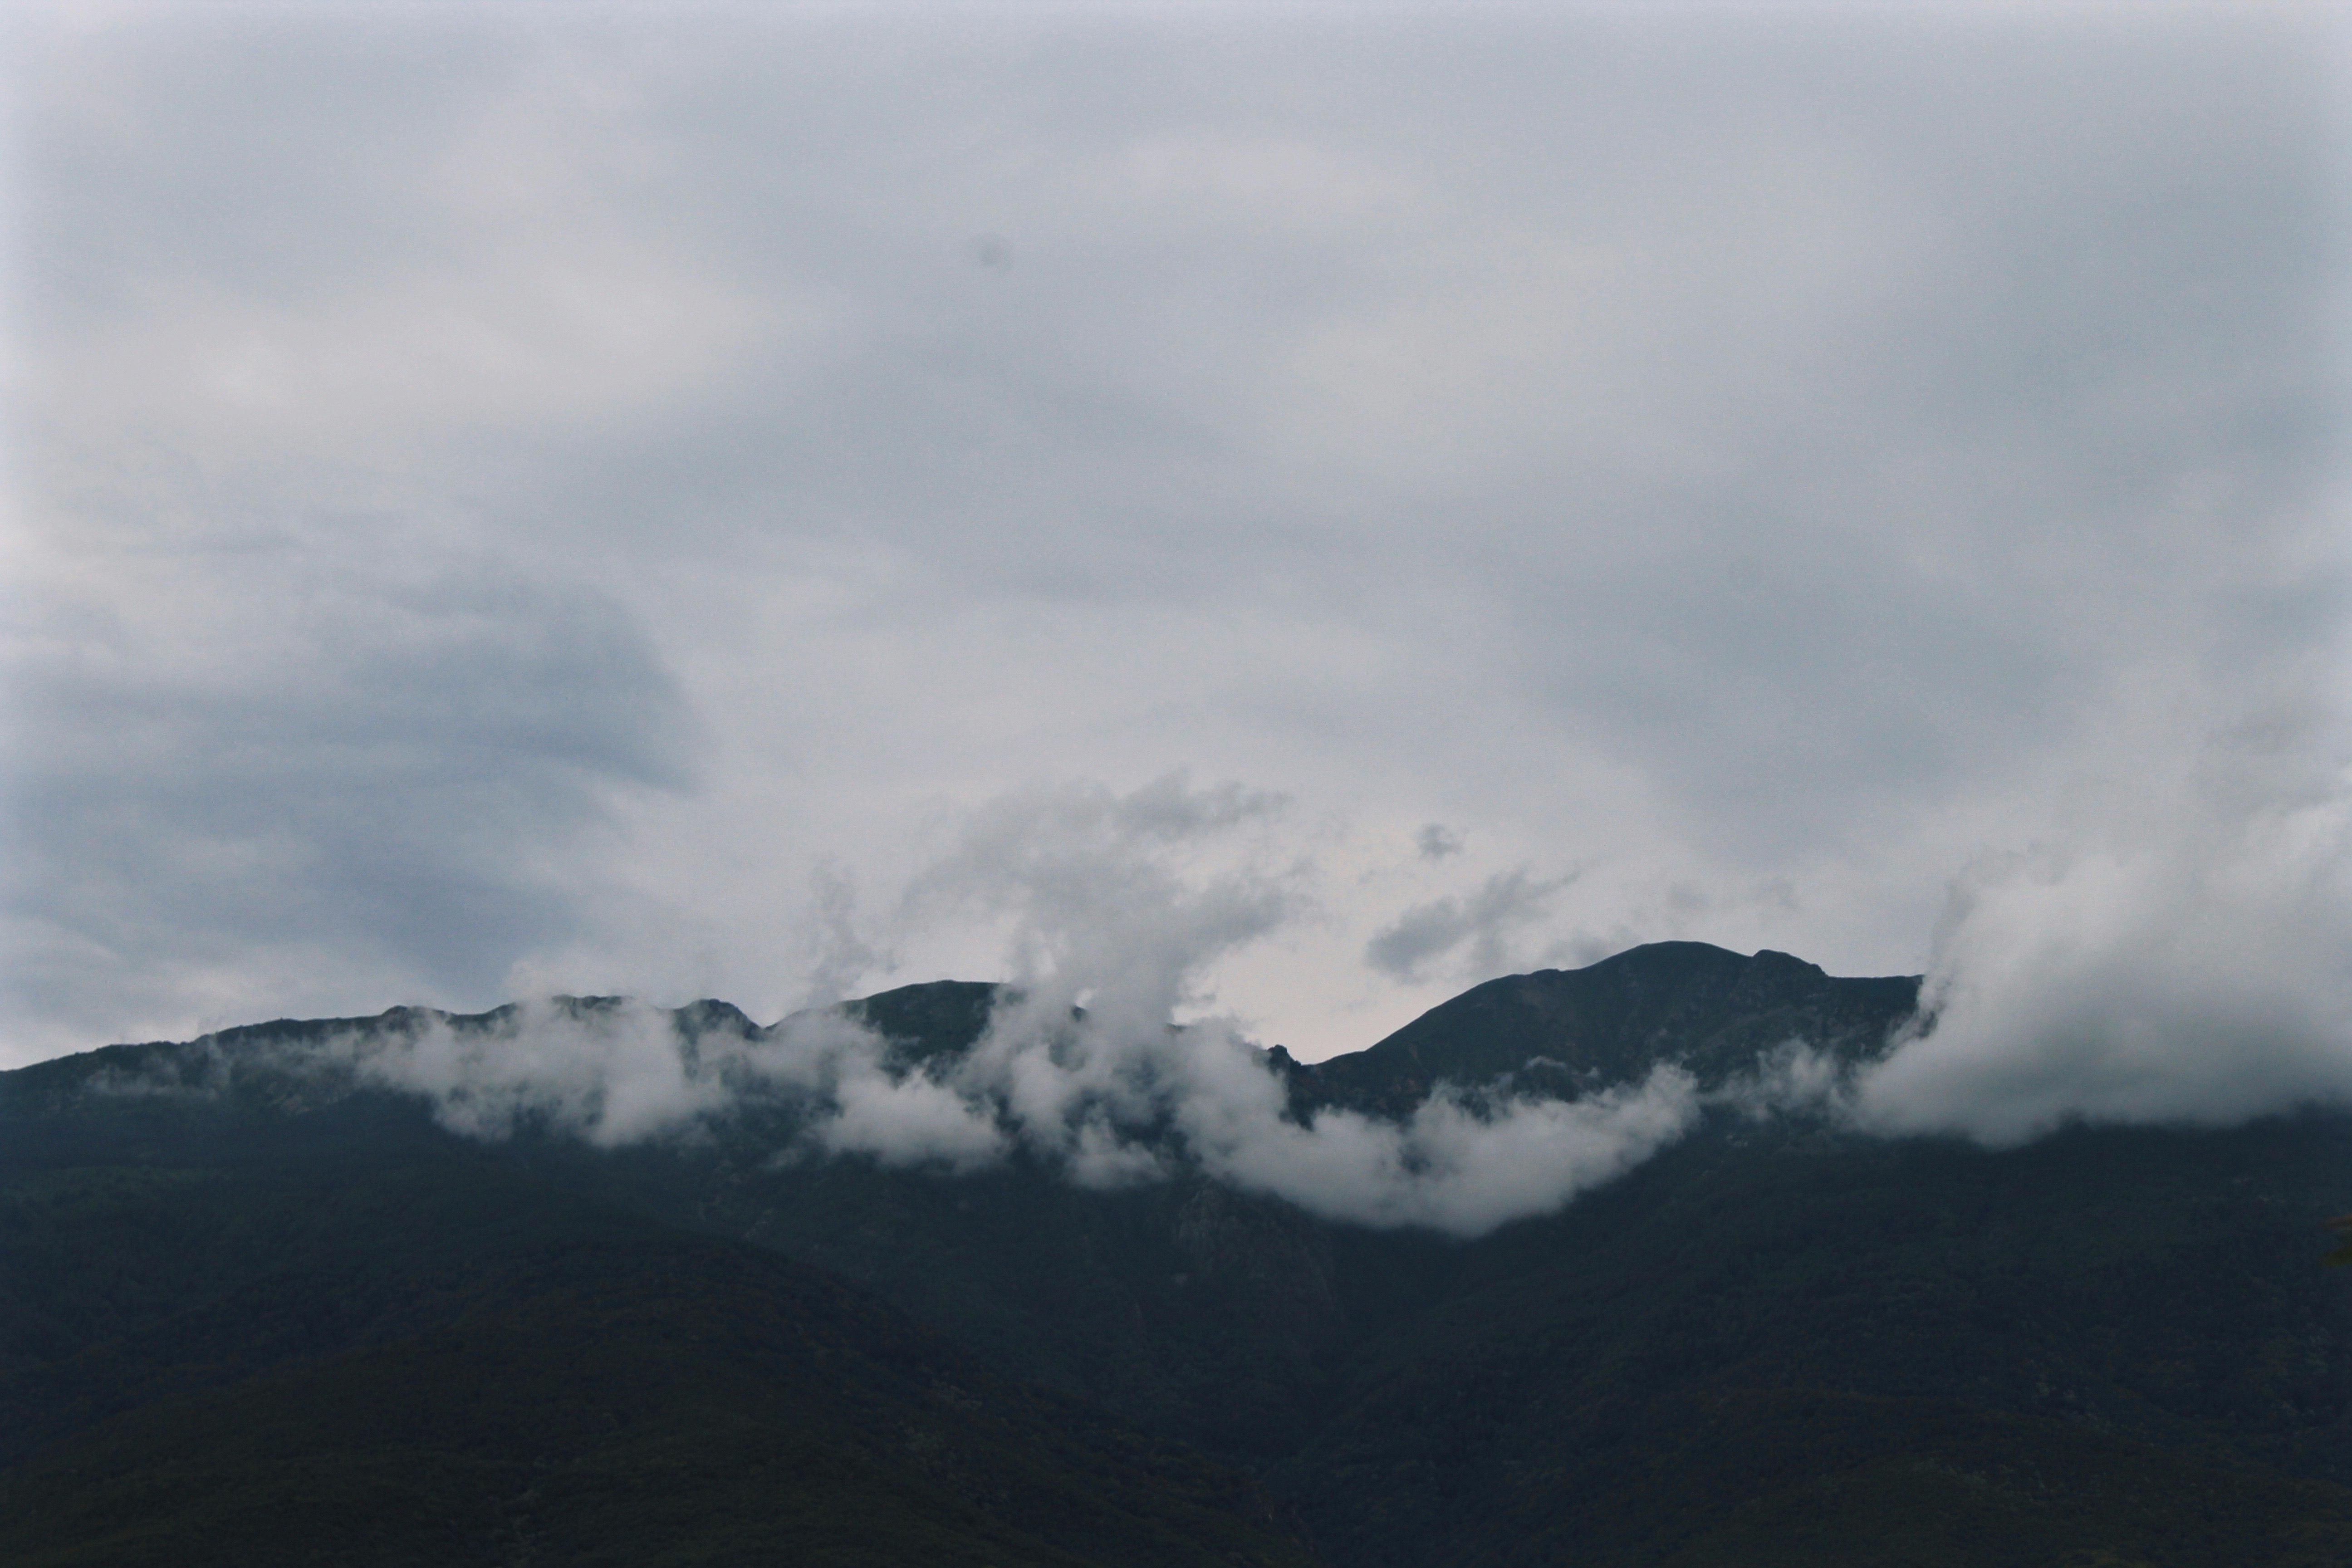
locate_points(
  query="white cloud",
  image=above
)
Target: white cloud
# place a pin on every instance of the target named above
(1447, 1167)
(609, 1075)
(910, 1121)
(1109, 1106)
(2180, 952)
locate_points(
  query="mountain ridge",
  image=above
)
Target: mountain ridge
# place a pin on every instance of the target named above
(1686, 1003)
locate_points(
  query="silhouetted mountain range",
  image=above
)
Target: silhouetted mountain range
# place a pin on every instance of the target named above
(258, 1307)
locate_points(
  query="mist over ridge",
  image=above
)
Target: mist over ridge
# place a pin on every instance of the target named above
(2187, 962)
(1503, 1104)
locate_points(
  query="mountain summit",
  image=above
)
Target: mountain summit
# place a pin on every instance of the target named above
(1569, 1031)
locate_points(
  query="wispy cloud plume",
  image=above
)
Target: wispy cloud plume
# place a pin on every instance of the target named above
(1478, 926)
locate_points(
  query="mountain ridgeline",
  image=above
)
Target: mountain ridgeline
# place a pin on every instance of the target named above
(258, 1307)
(1567, 1031)
(1562, 1032)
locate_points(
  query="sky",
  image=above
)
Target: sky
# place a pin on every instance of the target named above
(1327, 506)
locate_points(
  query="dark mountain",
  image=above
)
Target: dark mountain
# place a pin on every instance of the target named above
(943, 1018)
(1775, 1341)
(1570, 1031)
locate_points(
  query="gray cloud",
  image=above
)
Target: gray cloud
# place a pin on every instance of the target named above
(365, 775)
(2041, 342)
(1436, 841)
(1775, 455)
(1483, 922)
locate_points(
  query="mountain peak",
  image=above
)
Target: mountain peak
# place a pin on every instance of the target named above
(1705, 1007)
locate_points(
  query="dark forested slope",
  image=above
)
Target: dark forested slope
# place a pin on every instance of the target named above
(344, 1335)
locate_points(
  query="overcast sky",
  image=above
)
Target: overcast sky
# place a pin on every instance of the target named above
(774, 504)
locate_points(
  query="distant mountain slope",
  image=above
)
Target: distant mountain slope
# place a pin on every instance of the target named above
(1774, 1343)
